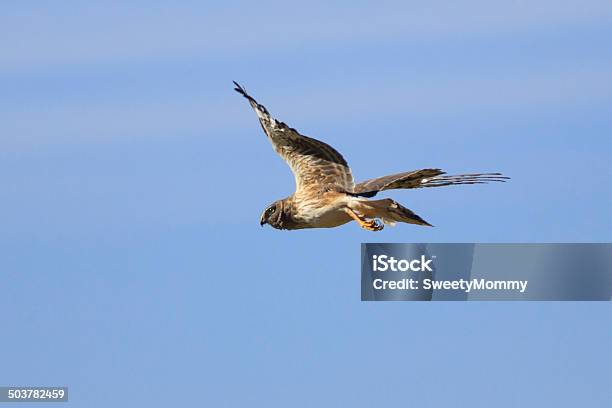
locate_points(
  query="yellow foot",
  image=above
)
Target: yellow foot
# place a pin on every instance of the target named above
(371, 225)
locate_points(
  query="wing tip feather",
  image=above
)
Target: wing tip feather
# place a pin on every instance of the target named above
(240, 89)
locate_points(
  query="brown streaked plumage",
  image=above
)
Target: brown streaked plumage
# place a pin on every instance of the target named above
(326, 195)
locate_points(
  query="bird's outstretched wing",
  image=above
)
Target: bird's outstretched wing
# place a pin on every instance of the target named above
(314, 164)
(421, 179)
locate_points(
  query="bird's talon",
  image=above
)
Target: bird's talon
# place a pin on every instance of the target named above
(373, 225)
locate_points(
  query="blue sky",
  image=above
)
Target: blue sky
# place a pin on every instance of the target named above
(134, 269)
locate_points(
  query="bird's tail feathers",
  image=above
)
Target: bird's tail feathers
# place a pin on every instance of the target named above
(389, 211)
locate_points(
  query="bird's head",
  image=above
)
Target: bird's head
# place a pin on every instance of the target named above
(273, 215)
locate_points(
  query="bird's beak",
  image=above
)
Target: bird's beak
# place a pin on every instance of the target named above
(262, 221)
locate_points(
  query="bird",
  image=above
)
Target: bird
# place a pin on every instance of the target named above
(326, 196)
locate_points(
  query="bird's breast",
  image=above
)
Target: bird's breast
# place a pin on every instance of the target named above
(321, 211)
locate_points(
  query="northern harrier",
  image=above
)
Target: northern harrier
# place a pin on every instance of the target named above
(326, 195)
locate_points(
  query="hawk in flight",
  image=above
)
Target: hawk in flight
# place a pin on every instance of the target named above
(326, 195)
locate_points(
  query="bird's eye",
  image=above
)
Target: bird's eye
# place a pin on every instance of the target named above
(270, 210)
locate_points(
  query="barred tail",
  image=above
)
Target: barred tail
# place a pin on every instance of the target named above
(389, 211)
